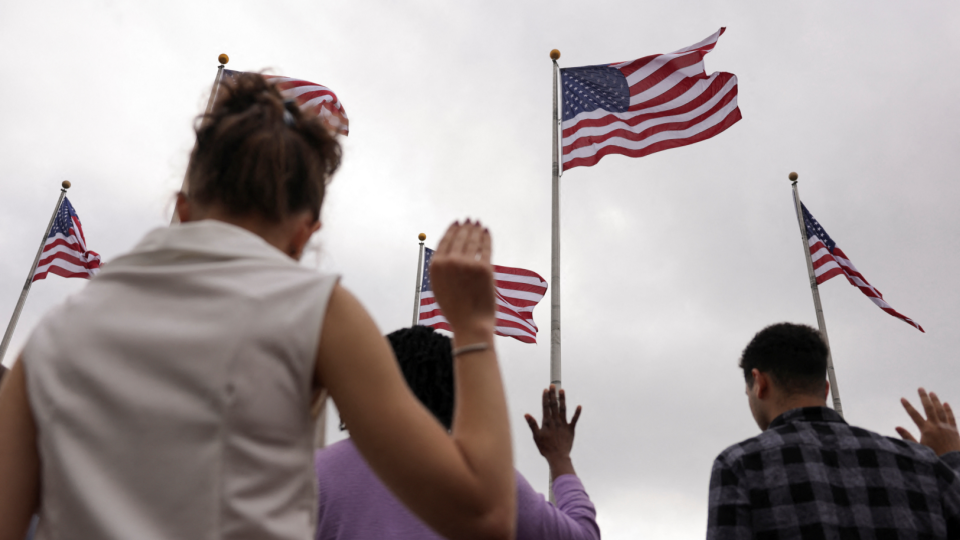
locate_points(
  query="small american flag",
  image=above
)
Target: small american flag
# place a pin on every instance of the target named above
(65, 252)
(830, 261)
(644, 106)
(518, 292)
(309, 96)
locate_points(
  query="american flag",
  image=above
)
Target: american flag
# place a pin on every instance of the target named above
(308, 96)
(65, 252)
(644, 106)
(830, 261)
(518, 292)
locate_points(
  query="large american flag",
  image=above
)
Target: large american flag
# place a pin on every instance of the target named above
(65, 251)
(644, 106)
(829, 261)
(518, 292)
(310, 96)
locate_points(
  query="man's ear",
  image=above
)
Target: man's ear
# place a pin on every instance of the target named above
(826, 391)
(761, 383)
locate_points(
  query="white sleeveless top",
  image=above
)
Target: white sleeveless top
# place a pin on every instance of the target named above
(172, 395)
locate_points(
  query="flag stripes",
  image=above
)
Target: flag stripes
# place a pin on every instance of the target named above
(314, 96)
(517, 293)
(830, 261)
(644, 106)
(65, 251)
(310, 96)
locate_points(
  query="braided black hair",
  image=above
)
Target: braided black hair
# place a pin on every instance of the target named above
(426, 360)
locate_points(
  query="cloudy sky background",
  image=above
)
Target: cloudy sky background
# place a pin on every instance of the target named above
(670, 263)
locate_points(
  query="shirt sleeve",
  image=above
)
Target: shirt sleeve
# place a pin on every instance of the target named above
(728, 517)
(573, 518)
(948, 480)
(953, 460)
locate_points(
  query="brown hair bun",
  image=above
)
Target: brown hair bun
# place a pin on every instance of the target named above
(256, 154)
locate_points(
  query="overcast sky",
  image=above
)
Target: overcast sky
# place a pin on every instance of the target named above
(670, 262)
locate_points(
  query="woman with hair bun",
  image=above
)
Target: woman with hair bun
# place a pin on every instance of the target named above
(171, 397)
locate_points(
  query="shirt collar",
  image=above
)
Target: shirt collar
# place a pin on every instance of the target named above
(807, 414)
(206, 238)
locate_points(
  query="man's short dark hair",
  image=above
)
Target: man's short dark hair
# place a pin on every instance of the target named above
(426, 360)
(794, 355)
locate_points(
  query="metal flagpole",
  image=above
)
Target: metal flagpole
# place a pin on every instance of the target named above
(555, 248)
(831, 375)
(223, 59)
(420, 271)
(555, 238)
(26, 286)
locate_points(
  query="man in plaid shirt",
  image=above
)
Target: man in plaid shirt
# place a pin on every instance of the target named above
(810, 475)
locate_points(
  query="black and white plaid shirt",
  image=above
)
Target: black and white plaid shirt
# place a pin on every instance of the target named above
(811, 475)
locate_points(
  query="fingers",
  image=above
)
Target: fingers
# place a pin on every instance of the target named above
(950, 418)
(486, 246)
(554, 404)
(927, 404)
(576, 416)
(474, 241)
(905, 435)
(459, 240)
(562, 412)
(546, 406)
(534, 429)
(447, 239)
(938, 407)
(917, 419)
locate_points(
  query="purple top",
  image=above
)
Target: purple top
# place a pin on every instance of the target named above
(354, 504)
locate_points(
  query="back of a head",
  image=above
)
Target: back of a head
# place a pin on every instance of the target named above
(259, 155)
(426, 360)
(794, 355)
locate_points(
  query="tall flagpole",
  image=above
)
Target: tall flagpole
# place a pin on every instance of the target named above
(64, 186)
(831, 374)
(555, 249)
(223, 59)
(555, 237)
(420, 271)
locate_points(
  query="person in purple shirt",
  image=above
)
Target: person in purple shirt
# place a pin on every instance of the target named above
(354, 504)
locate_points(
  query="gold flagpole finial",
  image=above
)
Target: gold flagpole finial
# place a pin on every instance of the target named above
(422, 237)
(555, 54)
(223, 58)
(793, 176)
(65, 184)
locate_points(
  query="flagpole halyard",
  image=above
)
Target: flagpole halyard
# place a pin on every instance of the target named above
(8, 335)
(420, 271)
(831, 374)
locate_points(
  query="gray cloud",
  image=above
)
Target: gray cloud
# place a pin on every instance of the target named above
(670, 262)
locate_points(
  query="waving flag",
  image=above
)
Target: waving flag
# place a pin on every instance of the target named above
(518, 292)
(65, 252)
(829, 261)
(644, 106)
(311, 96)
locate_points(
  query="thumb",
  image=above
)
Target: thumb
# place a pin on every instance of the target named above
(905, 435)
(533, 425)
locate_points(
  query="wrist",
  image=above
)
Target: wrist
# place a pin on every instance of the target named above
(473, 334)
(560, 465)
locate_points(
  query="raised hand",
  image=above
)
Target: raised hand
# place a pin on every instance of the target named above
(554, 438)
(462, 279)
(938, 430)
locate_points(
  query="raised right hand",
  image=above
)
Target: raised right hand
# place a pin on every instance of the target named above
(462, 279)
(939, 429)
